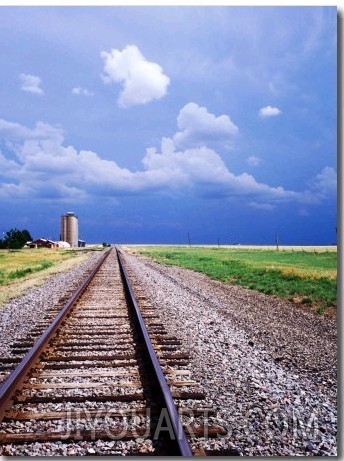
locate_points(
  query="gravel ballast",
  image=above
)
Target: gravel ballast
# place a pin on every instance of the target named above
(268, 368)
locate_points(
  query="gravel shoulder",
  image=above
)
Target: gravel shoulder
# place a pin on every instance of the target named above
(268, 367)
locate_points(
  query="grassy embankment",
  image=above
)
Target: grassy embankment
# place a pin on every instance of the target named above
(304, 277)
(21, 269)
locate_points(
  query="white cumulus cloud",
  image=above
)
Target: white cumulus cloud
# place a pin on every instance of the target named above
(325, 182)
(199, 127)
(142, 81)
(269, 111)
(31, 83)
(253, 160)
(82, 91)
(37, 163)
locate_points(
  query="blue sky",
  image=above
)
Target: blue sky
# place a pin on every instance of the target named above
(157, 123)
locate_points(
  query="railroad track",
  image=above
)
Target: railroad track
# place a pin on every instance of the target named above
(104, 378)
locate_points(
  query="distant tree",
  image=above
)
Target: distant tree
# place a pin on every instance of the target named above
(15, 239)
(26, 236)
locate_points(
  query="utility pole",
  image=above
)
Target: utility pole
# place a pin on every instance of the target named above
(276, 237)
(189, 239)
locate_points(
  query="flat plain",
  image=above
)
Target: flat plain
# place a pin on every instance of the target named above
(304, 275)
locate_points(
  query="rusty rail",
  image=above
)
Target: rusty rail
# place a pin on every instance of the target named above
(179, 438)
(14, 380)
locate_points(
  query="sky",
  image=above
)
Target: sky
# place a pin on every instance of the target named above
(170, 124)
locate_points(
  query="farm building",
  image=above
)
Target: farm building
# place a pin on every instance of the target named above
(43, 243)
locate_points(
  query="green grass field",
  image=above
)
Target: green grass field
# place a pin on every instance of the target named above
(304, 277)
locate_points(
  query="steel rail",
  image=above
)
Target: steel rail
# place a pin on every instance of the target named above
(8, 388)
(179, 434)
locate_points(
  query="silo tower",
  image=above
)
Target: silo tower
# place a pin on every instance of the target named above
(69, 229)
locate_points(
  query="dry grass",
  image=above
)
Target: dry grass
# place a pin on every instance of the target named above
(309, 273)
(307, 248)
(19, 286)
(11, 260)
(312, 248)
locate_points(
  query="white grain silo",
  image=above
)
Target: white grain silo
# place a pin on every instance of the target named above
(69, 229)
